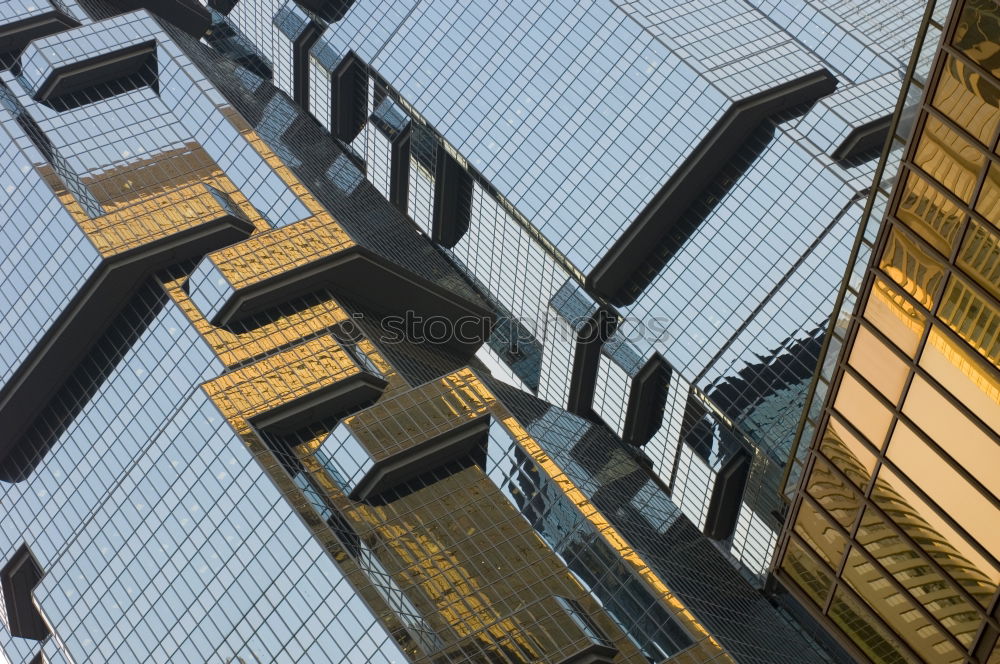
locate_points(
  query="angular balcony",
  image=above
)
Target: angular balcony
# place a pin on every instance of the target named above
(287, 391)
(276, 266)
(22, 21)
(375, 455)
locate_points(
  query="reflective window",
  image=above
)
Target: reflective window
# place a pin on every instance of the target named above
(863, 410)
(929, 212)
(895, 317)
(848, 453)
(816, 529)
(974, 316)
(980, 256)
(988, 202)
(807, 571)
(897, 608)
(964, 375)
(936, 537)
(874, 640)
(834, 494)
(968, 99)
(978, 34)
(959, 437)
(948, 158)
(879, 365)
(912, 267)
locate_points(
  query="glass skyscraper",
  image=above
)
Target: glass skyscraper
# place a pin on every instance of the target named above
(409, 331)
(892, 537)
(657, 199)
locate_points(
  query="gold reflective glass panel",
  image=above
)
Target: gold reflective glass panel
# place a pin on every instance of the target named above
(237, 347)
(817, 530)
(876, 642)
(973, 316)
(988, 201)
(859, 406)
(835, 494)
(958, 436)
(995, 656)
(279, 379)
(280, 250)
(925, 527)
(980, 256)
(894, 316)
(878, 364)
(848, 453)
(922, 583)
(912, 267)
(968, 98)
(978, 33)
(966, 376)
(144, 221)
(929, 212)
(950, 490)
(898, 609)
(809, 574)
(948, 158)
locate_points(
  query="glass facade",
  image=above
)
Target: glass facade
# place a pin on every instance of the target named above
(892, 538)
(243, 414)
(697, 169)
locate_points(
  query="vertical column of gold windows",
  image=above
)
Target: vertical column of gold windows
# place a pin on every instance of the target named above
(895, 533)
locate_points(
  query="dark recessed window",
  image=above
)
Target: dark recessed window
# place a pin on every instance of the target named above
(17, 579)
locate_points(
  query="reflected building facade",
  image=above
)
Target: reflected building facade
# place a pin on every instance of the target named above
(892, 535)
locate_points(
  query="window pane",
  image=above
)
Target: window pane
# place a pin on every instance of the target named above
(965, 375)
(948, 158)
(958, 436)
(880, 645)
(895, 317)
(910, 266)
(835, 495)
(899, 610)
(878, 364)
(807, 571)
(968, 99)
(937, 539)
(977, 34)
(818, 531)
(974, 317)
(859, 407)
(848, 453)
(929, 212)
(980, 256)
(924, 584)
(988, 203)
(945, 486)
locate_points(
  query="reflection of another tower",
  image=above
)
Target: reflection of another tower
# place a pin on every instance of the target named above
(884, 543)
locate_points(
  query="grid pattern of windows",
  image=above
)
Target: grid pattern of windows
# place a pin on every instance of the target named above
(160, 537)
(892, 535)
(858, 40)
(184, 546)
(759, 256)
(496, 247)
